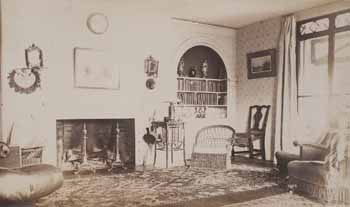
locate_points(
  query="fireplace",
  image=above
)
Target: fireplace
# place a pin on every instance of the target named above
(95, 144)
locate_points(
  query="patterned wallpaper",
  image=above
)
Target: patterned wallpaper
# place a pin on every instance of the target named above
(252, 38)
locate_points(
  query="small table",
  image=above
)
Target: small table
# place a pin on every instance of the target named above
(173, 139)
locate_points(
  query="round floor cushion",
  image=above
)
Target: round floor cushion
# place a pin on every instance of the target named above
(29, 183)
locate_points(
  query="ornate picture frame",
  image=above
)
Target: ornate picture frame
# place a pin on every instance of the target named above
(34, 57)
(261, 64)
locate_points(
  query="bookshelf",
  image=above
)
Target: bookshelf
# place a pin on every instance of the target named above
(194, 92)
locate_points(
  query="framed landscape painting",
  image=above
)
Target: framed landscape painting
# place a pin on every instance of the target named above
(95, 69)
(261, 64)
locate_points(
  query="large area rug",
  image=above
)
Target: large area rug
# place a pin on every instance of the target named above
(242, 186)
(282, 200)
(159, 187)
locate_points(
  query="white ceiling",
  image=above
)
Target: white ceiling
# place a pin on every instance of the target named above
(232, 13)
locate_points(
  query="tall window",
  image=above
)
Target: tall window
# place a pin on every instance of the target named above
(323, 60)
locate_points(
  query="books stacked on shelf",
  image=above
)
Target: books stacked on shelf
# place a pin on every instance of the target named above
(217, 86)
(191, 84)
(200, 84)
(198, 98)
(222, 99)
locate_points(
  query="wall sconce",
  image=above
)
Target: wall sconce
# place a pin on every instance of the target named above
(151, 70)
(151, 67)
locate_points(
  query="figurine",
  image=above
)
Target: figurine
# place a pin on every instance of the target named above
(205, 69)
(181, 68)
(192, 72)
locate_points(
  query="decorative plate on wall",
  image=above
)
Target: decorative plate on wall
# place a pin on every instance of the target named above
(98, 23)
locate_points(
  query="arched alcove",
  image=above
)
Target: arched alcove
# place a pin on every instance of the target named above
(202, 83)
(194, 57)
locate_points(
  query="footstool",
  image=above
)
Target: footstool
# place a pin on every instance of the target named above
(28, 184)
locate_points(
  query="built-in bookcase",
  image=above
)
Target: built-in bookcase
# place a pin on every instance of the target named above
(200, 93)
(202, 84)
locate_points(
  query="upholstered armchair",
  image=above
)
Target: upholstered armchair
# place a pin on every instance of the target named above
(316, 151)
(324, 173)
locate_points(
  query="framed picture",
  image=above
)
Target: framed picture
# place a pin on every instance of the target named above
(261, 64)
(95, 69)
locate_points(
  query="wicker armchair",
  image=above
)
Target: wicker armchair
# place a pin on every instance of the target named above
(212, 147)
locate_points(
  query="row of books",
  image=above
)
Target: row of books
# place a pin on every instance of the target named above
(201, 85)
(201, 98)
(217, 86)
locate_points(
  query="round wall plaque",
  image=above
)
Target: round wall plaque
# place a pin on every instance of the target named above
(150, 83)
(98, 23)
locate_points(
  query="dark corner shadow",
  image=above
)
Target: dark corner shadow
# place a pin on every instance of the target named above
(231, 198)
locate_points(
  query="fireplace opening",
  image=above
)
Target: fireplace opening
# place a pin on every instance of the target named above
(95, 144)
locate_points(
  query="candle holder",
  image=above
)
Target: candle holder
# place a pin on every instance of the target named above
(83, 165)
(117, 161)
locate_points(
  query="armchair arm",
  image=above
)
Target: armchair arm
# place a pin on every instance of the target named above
(312, 151)
(243, 134)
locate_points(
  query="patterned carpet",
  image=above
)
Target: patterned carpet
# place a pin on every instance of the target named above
(170, 187)
(280, 200)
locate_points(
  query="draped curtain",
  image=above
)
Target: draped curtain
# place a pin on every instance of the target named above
(286, 106)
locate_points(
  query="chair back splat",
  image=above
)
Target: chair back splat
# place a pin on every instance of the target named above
(256, 127)
(260, 116)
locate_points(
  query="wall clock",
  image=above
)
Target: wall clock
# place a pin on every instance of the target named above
(98, 23)
(24, 80)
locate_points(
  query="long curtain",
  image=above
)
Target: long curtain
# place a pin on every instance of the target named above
(286, 106)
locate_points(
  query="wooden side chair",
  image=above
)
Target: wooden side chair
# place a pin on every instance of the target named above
(256, 127)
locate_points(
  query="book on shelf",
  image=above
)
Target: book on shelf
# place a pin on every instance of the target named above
(211, 85)
(198, 98)
(222, 99)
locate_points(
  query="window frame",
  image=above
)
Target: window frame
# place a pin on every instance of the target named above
(330, 32)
